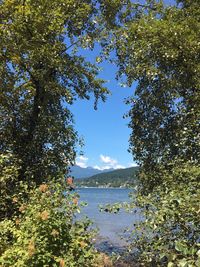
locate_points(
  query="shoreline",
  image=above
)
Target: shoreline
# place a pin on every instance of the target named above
(94, 187)
(107, 250)
(105, 245)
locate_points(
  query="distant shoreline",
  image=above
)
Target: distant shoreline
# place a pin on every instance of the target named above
(102, 187)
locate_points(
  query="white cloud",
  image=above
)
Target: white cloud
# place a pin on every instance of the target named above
(132, 164)
(118, 166)
(82, 158)
(108, 160)
(97, 167)
(81, 161)
(101, 168)
(106, 167)
(110, 163)
(81, 164)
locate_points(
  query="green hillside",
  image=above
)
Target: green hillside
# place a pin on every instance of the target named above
(117, 178)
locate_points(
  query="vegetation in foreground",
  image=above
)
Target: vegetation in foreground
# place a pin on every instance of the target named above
(159, 47)
(42, 75)
(42, 231)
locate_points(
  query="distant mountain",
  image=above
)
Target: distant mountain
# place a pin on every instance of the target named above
(116, 178)
(79, 172)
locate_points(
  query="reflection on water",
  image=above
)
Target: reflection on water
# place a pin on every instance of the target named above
(110, 226)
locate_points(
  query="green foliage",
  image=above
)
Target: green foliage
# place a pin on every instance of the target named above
(9, 183)
(159, 48)
(45, 232)
(42, 74)
(169, 234)
(122, 177)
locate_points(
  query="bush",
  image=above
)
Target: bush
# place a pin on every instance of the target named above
(45, 233)
(9, 183)
(169, 235)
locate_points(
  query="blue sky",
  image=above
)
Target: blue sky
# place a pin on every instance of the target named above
(105, 132)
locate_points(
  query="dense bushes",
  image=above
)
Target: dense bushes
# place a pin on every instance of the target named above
(170, 234)
(44, 232)
(9, 183)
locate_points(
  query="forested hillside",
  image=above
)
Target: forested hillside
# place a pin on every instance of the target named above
(116, 178)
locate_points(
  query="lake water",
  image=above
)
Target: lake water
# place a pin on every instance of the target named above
(111, 226)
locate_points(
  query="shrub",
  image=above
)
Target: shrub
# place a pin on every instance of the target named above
(169, 235)
(45, 233)
(9, 183)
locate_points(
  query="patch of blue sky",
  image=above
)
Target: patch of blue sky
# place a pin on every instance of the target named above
(105, 132)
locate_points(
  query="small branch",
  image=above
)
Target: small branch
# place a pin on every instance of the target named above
(67, 48)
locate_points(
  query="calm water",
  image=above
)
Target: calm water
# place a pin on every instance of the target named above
(110, 226)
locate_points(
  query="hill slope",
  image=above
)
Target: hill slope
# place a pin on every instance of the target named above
(79, 172)
(117, 178)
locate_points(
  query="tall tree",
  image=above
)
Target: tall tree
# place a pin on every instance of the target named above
(41, 75)
(158, 47)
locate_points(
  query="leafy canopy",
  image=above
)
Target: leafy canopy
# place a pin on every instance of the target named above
(158, 47)
(42, 74)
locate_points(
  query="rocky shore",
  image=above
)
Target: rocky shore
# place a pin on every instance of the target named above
(113, 255)
(105, 245)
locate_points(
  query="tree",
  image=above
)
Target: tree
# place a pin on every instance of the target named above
(42, 73)
(158, 47)
(41, 76)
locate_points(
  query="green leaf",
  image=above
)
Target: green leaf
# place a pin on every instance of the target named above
(170, 264)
